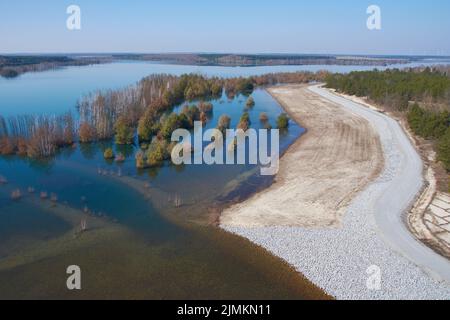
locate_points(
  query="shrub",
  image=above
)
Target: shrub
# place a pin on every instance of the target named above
(224, 123)
(156, 153)
(205, 107)
(140, 160)
(282, 121)
(169, 125)
(148, 125)
(108, 153)
(245, 117)
(124, 131)
(87, 133)
(443, 148)
(250, 102)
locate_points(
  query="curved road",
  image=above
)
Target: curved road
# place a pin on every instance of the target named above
(404, 182)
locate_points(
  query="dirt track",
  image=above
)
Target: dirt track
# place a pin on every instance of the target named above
(320, 173)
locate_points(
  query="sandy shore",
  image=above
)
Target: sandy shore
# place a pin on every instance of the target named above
(320, 173)
(372, 235)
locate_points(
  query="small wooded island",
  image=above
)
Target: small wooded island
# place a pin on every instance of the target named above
(139, 114)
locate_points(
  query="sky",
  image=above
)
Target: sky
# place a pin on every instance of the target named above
(408, 27)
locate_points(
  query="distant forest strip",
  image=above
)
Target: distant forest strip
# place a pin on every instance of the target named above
(13, 66)
(423, 95)
(142, 111)
(247, 60)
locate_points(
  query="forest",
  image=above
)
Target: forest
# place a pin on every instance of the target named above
(422, 94)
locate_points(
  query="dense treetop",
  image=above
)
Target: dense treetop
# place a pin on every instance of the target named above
(394, 87)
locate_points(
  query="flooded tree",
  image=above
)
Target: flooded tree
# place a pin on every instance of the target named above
(148, 125)
(124, 130)
(203, 117)
(283, 121)
(140, 160)
(156, 153)
(69, 135)
(171, 123)
(205, 107)
(263, 117)
(224, 123)
(244, 122)
(250, 102)
(108, 154)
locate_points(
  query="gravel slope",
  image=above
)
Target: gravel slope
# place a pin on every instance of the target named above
(372, 233)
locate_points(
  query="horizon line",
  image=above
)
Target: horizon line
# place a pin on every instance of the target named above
(221, 53)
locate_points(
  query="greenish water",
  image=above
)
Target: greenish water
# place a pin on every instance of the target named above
(138, 243)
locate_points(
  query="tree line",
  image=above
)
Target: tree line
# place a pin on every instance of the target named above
(395, 88)
(423, 94)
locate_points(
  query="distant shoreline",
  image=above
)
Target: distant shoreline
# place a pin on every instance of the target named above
(12, 66)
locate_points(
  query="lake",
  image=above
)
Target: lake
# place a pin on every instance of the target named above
(150, 233)
(56, 91)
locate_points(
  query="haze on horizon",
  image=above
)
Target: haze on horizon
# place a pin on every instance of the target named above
(415, 27)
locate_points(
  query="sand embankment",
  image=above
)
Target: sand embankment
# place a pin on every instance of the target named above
(320, 173)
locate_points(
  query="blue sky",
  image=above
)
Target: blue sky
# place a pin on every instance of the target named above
(283, 26)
